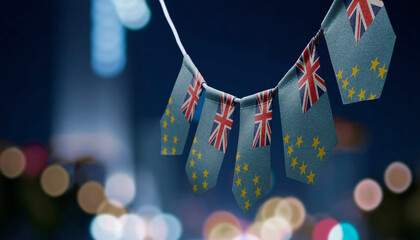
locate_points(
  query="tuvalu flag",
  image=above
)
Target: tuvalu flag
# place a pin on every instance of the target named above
(210, 141)
(251, 179)
(175, 122)
(360, 41)
(307, 124)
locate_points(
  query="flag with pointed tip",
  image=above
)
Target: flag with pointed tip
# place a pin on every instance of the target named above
(308, 138)
(210, 141)
(251, 179)
(360, 41)
(179, 112)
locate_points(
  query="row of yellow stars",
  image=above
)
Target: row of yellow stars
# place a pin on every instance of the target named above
(355, 70)
(303, 170)
(239, 182)
(361, 95)
(316, 142)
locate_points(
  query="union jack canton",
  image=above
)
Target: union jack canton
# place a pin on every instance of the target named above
(263, 117)
(222, 122)
(193, 95)
(361, 14)
(311, 85)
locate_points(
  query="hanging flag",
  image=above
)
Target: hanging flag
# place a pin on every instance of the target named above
(175, 122)
(210, 141)
(251, 178)
(308, 138)
(360, 41)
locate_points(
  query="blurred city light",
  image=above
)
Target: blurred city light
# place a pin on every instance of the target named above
(111, 207)
(36, 158)
(323, 228)
(120, 186)
(398, 177)
(168, 224)
(295, 208)
(108, 48)
(12, 162)
(224, 230)
(90, 196)
(343, 231)
(158, 228)
(367, 195)
(105, 227)
(276, 228)
(55, 180)
(217, 218)
(133, 14)
(133, 227)
(268, 208)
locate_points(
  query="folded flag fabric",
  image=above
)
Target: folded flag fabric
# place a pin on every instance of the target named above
(175, 122)
(210, 141)
(308, 134)
(360, 41)
(251, 178)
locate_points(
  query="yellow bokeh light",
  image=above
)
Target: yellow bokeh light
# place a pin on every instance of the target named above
(292, 210)
(55, 180)
(90, 196)
(111, 207)
(12, 162)
(224, 231)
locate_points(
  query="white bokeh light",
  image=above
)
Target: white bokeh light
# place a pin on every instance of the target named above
(120, 186)
(133, 227)
(105, 227)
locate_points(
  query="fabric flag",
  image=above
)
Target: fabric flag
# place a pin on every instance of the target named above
(360, 41)
(175, 122)
(308, 134)
(251, 179)
(210, 141)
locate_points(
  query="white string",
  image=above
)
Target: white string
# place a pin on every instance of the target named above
(171, 24)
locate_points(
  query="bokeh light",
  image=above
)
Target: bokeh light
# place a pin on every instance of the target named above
(158, 228)
(133, 227)
(111, 207)
(12, 162)
(217, 218)
(276, 228)
(343, 231)
(55, 180)
(398, 177)
(255, 229)
(224, 230)
(120, 186)
(133, 14)
(367, 195)
(106, 227)
(171, 225)
(90, 196)
(246, 236)
(36, 158)
(268, 209)
(293, 210)
(323, 229)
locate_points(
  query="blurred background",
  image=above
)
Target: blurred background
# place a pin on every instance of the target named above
(83, 87)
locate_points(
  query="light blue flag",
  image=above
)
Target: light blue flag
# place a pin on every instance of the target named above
(360, 41)
(251, 180)
(210, 141)
(307, 124)
(175, 122)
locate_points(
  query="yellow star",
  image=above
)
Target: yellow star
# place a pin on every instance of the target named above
(237, 156)
(311, 178)
(256, 179)
(257, 192)
(192, 163)
(205, 172)
(371, 96)
(238, 168)
(316, 142)
(345, 83)
(245, 167)
(355, 70)
(195, 188)
(194, 176)
(339, 75)
(173, 150)
(167, 112)
(193, 151)
(175, 139)
(299, 141)
(247, 205)
(164, 151)
(351, 92)
(374, 64)
(165, 138)
(361, 94)
(199, 155)
(195, 140)
(172, 119)
(165, 124)
(290, 150)
(321, 152)
(243, 193)
(205, 184)
(302, 168)
(170, 101)
(238, 182)
(286, 139)
(294, 162)
(382, 71)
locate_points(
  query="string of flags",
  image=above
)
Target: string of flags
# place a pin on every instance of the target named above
(360, 41)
